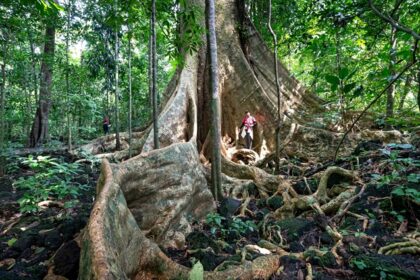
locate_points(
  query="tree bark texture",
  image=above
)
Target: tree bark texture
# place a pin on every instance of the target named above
(67, 75)
(154, 70)
(216, 169)
(278, 139)
(117, 90)
(39, 131)
(392, 62)
(2, 109)
(129, 95)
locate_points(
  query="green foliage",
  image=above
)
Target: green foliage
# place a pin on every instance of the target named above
(214, 220)
(50, 179)
(360, 264)
(410, 193)
(12, 241)
(197, 272)
(235, 226)
(341, 48)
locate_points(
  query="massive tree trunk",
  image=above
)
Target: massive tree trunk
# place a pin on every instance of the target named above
(39, 131)
(149, 200)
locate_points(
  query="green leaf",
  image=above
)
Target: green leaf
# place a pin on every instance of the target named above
(413, 178)
(197, 272)
(333, 80)
(10, 242)
(343, 73)
(349, 87)
(358, 91)
(359, 264)
(399, 191)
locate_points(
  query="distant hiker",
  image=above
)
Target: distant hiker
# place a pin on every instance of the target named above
(247, 123)
(106, 125)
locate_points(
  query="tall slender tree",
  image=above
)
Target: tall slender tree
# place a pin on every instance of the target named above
(69, 7)
(117, 93)
(154, 70)
(130, 102)
(392, 62)
(39, 131)
(2, 106)
(216, 165)
(276, 71)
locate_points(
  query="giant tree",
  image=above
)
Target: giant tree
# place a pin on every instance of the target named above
(173, 174)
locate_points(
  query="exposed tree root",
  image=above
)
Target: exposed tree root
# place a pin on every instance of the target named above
(411, 246)
(294, 202)
(309, 276)
(264, 181)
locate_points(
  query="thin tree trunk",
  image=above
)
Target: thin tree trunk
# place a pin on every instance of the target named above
(216, 165)
(28, 107)
(154, 70)
(33, 62)
(129, 93)
(391, 90)
(276, 70)
(2, 108)
(405, 93)
(338, 65)
(418, 86)
(67, 75)
(39, 131)
(117, 95)
(150, 69)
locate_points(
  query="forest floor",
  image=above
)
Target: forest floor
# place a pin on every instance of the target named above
(31, 237)
(386, 213)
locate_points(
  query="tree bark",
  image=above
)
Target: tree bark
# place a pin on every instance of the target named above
(418, 86)
(39, 131)
(129, 93)
(117, 93)
(2, 108)
(67, 75)
(216, 164)
(33, 62)
(276, 70)
(392, 62)
(338, 64)
(154, 70)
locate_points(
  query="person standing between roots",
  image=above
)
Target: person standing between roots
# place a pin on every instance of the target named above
(247, 124)
(106, 125)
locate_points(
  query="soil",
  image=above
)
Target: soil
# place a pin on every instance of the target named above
(30, 243)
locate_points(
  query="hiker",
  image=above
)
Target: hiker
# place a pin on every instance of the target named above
(247, 123)
(106, 125)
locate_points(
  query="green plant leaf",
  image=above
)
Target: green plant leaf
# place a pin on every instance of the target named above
(10, 242)
(349, 87)
(399, 191)
(333, 80)
(343, 73)
(197, 272)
